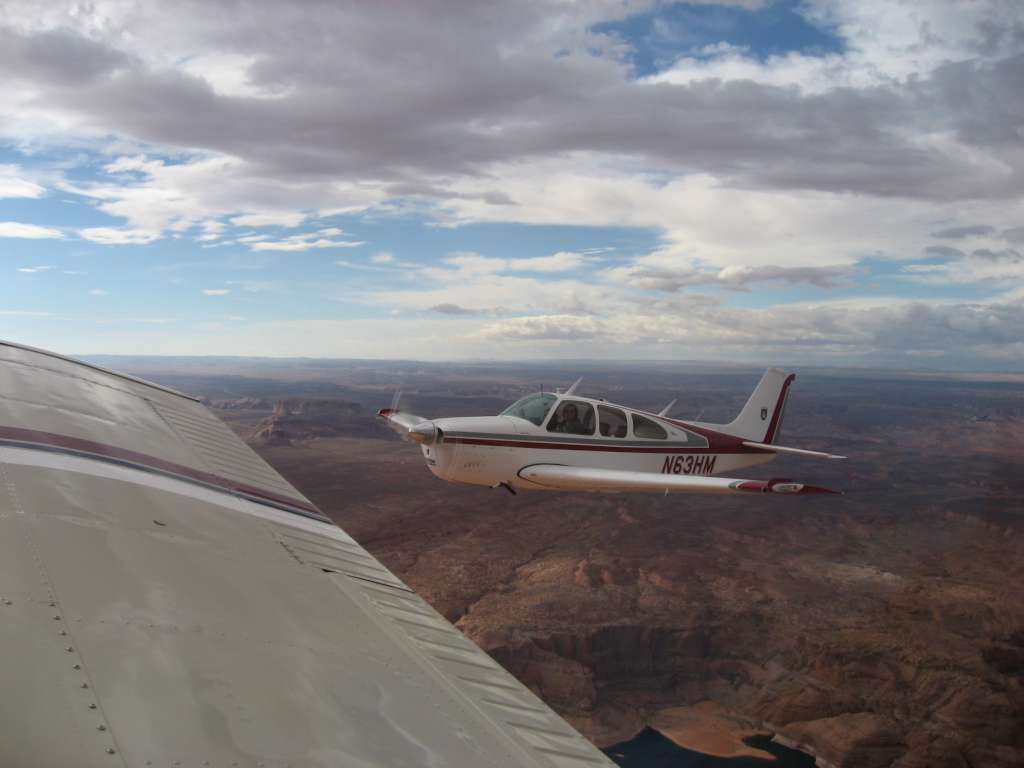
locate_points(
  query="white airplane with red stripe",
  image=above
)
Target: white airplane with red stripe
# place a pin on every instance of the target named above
(566, 442)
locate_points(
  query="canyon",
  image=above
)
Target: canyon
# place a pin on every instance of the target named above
(884, 627)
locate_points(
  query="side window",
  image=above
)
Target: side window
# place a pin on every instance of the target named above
(647, 429)
(611, 422)
(573, 417)
(690, 438)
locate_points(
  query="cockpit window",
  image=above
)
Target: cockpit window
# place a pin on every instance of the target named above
(573, 417)
(533, 408)
(647, 429)
(611, 421)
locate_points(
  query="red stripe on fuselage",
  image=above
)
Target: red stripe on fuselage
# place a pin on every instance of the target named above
(606, 447)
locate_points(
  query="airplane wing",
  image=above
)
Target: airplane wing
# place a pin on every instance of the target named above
(166, 598)
(556, 476)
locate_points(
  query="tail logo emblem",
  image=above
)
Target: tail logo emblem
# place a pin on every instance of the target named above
(764, 414)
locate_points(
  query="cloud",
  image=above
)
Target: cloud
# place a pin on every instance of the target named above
(888, 328)
(155, 198)
(31, 270)
(97, 292)
(28, 231)
(303, 242)
(922, 94)
(944, 252)
(1007, 254)
(469, 263)
(12, 184)
(452, 309)
(737, 277)
(556, 262)
(216, 291)
(545, 327)
(1014, 235)
(116, 236)
(748, 168)
(382, 257)
(269, 219)
(959, 233)
(211, 230)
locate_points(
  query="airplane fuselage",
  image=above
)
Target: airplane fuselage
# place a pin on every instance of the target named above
(493, 450)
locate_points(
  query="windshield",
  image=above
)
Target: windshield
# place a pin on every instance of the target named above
(533, 408)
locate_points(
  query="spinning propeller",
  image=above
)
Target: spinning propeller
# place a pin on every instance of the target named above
(408, 425)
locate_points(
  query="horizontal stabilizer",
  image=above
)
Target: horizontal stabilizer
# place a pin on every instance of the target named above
(559, 477)
(794, 451)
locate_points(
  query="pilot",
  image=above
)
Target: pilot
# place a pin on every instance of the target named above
(569, 421)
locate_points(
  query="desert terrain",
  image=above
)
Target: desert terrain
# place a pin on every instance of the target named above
(884, 627)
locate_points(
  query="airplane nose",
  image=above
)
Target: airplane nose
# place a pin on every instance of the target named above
(424, 433)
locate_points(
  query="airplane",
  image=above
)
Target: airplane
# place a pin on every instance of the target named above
(563, 441)
(167, 598)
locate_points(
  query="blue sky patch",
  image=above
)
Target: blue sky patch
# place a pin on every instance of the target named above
(661, 37)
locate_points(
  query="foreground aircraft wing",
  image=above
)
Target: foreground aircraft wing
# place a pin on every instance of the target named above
(166, 598)
(556, 476)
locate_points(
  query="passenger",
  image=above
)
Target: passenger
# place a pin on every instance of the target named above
(569, 421)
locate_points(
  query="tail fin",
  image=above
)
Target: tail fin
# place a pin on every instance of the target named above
(760, 420)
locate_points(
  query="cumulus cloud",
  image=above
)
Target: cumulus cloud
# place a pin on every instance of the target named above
(873, 119)
(155, 198)
(754, 170)
(841, 330)
(28, 231)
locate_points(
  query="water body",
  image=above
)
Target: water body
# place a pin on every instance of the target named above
(650, 749)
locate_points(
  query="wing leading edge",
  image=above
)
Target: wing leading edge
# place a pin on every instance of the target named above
(558, 477)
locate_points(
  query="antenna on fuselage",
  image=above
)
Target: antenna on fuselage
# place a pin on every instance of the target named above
(572, 390)
(665, 411)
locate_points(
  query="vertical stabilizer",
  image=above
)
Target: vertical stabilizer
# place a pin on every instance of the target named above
(761, 418)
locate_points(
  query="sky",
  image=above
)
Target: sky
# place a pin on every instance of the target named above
(807, 182)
